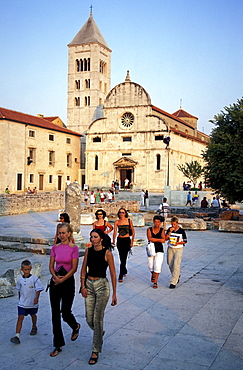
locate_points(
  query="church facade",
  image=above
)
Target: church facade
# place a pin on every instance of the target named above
(126, 136)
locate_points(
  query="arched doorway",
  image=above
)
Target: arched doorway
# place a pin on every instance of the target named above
(124, 169)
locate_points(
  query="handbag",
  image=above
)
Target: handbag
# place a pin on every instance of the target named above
(150, 249)
(61, 271)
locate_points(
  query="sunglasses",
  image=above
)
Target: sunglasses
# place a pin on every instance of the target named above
(100, 214)
(121, 212)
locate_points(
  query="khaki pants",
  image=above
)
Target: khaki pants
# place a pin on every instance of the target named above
(174, 256)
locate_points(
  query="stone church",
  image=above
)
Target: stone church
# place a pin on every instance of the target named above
(124, 134)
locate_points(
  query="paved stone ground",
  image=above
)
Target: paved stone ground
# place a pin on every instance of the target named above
(198, 325)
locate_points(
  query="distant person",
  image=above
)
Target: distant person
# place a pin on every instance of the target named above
(109, 196)
(156, 235)
(218, 200)
(142, 198)
(102, 196)
(189, 198)
(184, 185)
(146, 199)
(214, 203)
(29, 288)
(164, 210)
(176, 237)
(86, 197)
(126, 183)
(123, 229)
(34, 191)
(200, 185)
(92, 197)
(195, 199)
(97, 196)
(116, 184)
(204, 203)
(7, 191)
(101, 223)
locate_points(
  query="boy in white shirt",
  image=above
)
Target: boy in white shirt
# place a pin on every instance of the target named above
(29, 288)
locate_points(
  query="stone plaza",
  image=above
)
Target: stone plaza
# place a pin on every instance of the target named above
(198, 325)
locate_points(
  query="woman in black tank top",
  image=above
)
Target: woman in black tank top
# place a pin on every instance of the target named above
(156, 235)
(95, 286)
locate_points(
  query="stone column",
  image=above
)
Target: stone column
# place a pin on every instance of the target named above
(73, 206)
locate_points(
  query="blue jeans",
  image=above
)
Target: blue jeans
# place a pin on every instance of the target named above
(95, 304)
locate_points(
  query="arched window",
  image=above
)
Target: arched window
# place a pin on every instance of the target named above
(81, 68)
(88, 65)
(77, 65)
(77, 102)
(85, 64)
(158, 162)
(96, 163)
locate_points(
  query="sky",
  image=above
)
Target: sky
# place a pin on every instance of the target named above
(183, 52)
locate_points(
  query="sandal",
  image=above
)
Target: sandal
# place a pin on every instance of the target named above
(33, 331)
(93, 360)
(75, 333)
(155, 286)
(56, 351)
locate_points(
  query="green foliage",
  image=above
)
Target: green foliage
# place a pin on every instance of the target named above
(224, 153)
(192, 170)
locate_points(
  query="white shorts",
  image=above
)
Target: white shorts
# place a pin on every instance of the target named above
(155, 262)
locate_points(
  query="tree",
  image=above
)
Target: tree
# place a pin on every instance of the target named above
(192, 170)
(224, 153)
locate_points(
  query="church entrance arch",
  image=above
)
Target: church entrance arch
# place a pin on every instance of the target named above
(124, 169)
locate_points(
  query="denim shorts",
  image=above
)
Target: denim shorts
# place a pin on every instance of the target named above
(27, 311)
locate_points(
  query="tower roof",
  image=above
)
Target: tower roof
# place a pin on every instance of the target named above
(89, 33)
(182, 113)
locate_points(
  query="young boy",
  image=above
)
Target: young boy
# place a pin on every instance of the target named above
(28, 287)
(177, 238)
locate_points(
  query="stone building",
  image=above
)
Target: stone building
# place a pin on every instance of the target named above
(36, 152)
(125, 136)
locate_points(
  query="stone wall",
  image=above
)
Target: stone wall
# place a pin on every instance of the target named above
(14, 204)
(112, 208)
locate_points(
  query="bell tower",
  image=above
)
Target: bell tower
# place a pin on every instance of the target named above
(88, 76)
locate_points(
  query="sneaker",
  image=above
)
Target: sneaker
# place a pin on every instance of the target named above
(120, 280)
(15, 340)
(172, 286)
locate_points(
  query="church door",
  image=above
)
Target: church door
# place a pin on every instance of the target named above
(125, 173)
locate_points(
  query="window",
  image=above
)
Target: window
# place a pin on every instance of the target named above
(97, 139)
(83, 65)
(31, 178)
(50, 179)
(127, 138)
(69, 160)
(126, 154)
(77, 84)
(159, 137)
(77, 102)
(96, 163)
(31, 133)
(87, 101)
(51, 137)
(32, 155)
(158, 162)
(87, 83)
(75, 160)
(51, 158)
(68, 140)
(102, 66)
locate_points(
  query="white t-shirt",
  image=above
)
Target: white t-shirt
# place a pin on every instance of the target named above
(28, 288)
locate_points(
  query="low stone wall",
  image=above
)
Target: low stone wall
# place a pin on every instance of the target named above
(14, 204)
(112, 208)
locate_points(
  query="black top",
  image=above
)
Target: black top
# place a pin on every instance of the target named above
(96, 263)
(158, 245)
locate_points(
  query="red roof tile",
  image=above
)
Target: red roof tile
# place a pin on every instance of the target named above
(171, 116)
(10, 115)
(183, 113)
